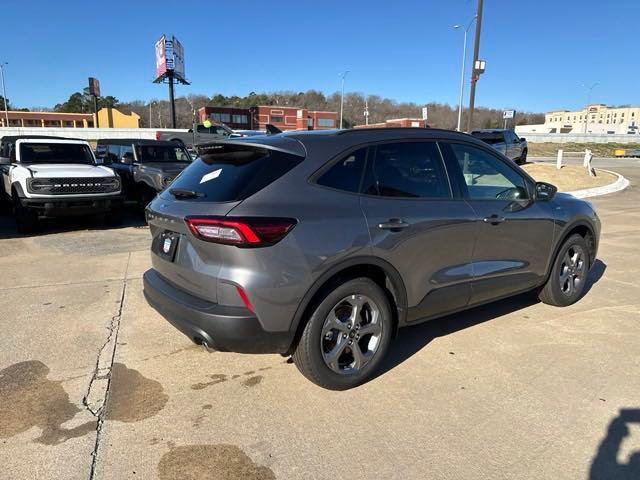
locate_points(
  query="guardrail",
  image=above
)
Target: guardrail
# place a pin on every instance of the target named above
(88, 133)
(578, 137)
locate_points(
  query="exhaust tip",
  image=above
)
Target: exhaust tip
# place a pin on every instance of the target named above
(203, 343)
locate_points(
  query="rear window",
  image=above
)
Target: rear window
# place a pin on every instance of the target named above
(489, 137)
(232, 173)
(55, 153)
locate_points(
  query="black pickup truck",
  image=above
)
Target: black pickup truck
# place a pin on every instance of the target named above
(145, 166)
(506, 142)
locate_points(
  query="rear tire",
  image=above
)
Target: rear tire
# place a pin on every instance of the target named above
(568, 277)
(347, 335)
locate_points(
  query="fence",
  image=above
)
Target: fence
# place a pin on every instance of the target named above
(578, 137)
(90, 134)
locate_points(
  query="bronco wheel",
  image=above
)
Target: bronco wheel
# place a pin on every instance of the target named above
(569, 273)
(346, 336)
(26, 220)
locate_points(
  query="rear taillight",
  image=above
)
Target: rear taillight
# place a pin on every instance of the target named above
(241, 231)
(157, 135)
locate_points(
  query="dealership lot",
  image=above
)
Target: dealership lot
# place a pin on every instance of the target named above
(515, 389)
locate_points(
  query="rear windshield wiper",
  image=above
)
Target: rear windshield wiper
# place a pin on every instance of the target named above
(183, 193)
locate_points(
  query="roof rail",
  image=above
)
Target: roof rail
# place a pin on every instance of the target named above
(402, 129)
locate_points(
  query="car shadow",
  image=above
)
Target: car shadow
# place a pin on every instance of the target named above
(130, 218)
(605, 465)
(412, 339)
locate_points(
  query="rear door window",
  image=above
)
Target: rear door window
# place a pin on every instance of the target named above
(407, 169)
(229, 173)
(346, 173)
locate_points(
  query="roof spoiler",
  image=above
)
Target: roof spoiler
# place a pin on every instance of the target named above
(272, 129)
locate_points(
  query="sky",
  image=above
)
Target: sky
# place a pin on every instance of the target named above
(539, 53)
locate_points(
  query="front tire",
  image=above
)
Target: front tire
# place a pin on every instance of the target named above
(523, 157)
(569, 274)
(347, 335)
(26, 220)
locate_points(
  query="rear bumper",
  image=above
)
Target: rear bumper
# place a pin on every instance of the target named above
(229, 329)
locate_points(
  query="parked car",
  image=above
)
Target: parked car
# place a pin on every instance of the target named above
(323, 244)
(506, 142)
(145, 166)
(51, 176)
(202, 134)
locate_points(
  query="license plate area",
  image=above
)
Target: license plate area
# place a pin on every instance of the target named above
(165, 245)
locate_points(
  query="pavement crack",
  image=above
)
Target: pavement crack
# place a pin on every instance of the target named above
(95, 400)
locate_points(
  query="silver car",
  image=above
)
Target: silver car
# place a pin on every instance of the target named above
(321, 245)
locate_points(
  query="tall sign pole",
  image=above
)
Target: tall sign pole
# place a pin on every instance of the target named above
(474, 73)
(170, 68)
(172, 101)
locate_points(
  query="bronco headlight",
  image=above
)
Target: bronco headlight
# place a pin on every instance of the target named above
(166, 181)
(111, 184)
(38, 185)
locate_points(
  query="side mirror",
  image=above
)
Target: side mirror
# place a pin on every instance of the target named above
(522, 139)
(545, 191)
(5, 161)
(127, 158)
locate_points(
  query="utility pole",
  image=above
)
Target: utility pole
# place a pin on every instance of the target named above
(343, 76)
(366, 112)
(590, 88)
(474, 73)
(464, 57)
(4, 94)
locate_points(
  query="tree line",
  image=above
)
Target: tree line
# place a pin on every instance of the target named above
(156, 113)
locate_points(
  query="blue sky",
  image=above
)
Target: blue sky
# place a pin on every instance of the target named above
(538, 52)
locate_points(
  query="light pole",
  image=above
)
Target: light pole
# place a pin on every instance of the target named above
(4, 93)
(464, 57)
(590, 88)
(342, 76)
(474, 71)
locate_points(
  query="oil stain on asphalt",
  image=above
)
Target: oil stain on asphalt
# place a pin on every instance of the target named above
(214, 462)
(29, 399)
(133, 397)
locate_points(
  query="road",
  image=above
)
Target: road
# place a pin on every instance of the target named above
(512, 390)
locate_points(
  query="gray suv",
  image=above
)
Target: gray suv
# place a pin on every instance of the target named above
(321, 245)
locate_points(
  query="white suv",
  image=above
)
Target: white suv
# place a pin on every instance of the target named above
(49, 176)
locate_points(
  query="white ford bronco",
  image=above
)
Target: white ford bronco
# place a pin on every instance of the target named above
(50, 176)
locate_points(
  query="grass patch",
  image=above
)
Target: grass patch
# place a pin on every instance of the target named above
(569, 177)
(548, 149)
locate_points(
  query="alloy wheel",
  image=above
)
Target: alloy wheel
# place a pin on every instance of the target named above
(351, 334)
(572, 270)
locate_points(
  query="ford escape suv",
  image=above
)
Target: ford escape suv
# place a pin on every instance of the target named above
(322, 244)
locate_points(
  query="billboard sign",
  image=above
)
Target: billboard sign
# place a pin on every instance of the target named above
(161, 57)
(94, 87)
(178, 59)
(169, 58)
(508, 114)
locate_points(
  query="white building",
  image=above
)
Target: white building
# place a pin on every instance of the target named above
(596, 118)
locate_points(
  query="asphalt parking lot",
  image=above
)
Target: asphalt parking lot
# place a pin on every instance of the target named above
(512, 390)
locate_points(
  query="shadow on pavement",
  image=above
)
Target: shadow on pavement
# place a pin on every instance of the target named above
(605, 465)
(130, 218)
(413, 339)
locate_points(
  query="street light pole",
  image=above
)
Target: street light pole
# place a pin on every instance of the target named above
(590, 88)
(343, 76)
(4, 93)
(474, 74)
(464, 57)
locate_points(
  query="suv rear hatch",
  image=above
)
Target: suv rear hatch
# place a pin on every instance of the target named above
(225, 174)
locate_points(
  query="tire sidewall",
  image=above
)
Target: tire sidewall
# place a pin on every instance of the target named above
(363, 286)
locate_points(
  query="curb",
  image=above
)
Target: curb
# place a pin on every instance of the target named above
(620, 184)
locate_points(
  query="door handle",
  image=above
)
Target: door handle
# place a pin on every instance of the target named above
(393, 224)
(494, 219)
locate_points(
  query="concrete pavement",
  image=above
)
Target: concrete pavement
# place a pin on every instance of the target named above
(512, 390)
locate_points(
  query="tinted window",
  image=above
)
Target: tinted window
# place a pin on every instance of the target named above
(233, 173)
(160, 153)
(489, 137)
(113, 153)
(487, 177)
(346, 173)
(55, 153)
(408, 169)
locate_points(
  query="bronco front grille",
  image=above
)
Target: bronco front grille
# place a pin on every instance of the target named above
(73, 186)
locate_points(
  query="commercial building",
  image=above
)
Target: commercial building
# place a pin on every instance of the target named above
(257, 117)
(107, 118)
(397, 122)
(595, 118)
